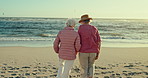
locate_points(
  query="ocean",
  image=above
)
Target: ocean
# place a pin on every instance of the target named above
(41, 32)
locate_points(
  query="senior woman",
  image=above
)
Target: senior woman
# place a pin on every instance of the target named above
(90, 46)
(66, 45)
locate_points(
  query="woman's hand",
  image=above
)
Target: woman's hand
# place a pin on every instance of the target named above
(57, 52)
(96, 57)
(76, 52)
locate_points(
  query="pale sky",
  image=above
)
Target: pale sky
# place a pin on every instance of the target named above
(74, 8)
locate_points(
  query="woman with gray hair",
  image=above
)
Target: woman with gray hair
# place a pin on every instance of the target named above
(66, 45)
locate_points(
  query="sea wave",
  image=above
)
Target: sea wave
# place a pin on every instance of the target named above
(125, 41)
(25, 39)
(47, 35)
(110, 37)
(112, 34)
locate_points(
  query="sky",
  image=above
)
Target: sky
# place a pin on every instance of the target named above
(74, 8)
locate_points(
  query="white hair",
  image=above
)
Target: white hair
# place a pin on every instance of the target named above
(71, 22)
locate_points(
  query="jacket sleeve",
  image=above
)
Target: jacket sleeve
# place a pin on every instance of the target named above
(98, 39)
(56, 43)
(77, 44)
(98, 36)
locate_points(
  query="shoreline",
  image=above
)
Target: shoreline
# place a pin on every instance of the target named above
(50, 44)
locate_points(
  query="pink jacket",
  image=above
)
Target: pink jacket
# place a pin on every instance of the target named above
(67, 43)
(90, 39)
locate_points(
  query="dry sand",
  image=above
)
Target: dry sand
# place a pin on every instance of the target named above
(29, 62)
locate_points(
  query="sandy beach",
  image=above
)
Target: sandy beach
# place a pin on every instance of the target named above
(41, 62)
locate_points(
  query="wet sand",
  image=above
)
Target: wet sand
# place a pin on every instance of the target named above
(29, 62)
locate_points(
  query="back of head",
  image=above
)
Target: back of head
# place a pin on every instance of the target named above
(86, 21)
(71, 22)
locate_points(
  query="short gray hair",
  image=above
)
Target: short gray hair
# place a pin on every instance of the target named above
(71, 22)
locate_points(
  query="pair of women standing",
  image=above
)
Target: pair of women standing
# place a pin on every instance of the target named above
(86, 41)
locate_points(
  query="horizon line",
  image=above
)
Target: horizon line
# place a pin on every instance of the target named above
(129, 18)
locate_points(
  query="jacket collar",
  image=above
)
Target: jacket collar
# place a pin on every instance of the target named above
(68, 28)
(86, 25)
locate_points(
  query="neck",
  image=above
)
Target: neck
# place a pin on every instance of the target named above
(85, 24)
(71, 26)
